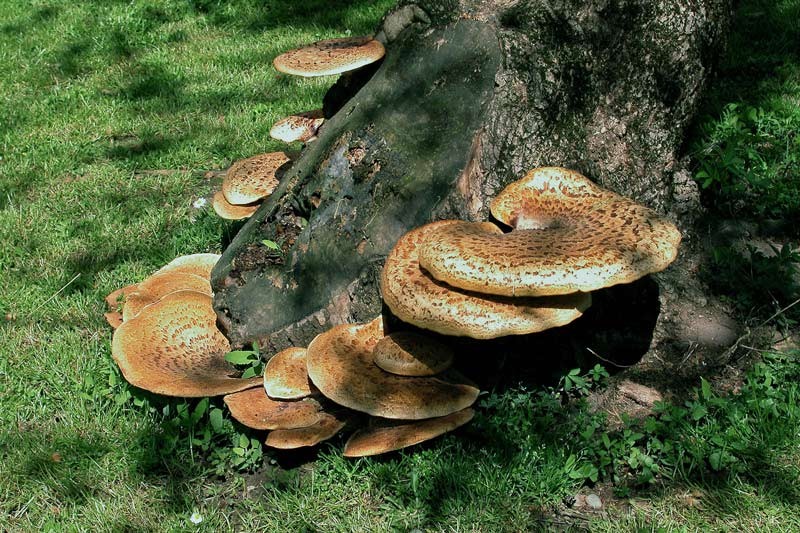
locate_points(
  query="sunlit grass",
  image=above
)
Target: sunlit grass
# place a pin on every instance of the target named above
(94, 97)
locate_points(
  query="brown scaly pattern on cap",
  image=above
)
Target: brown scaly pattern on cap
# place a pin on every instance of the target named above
(254, 409)
(388, 435)
(197, 264)
(340, 364)
(300, 127)
(406, 353)
(249, 180)
(286, 376)
(570, 236)
(159, 285)
(174, 348)
(332, 56)
(326, 427)
(229, 211)
(415, 297)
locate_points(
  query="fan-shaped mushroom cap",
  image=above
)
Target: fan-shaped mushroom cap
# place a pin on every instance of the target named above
(412, 354)
(299, 127)
(249, 180)
(326, 427)
(332, 56)
(197, 264)
(340, 364)
(388, 435)
(570, 236)
(286, 376)
(417, 298)
(229, 211)
(174, 348)
(254, 409)
(159, 285)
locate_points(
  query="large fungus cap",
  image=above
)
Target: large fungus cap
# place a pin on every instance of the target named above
(249, 180)
(300, 127)
(388, 435)
(412, 354)
(286, 375)
(174, 348)
(197, 264)
(415, 297)
(326, 427)
(254, 409)
(332, 56)
(341, 366)
(570, 235)
(159, 285)
(229, 211)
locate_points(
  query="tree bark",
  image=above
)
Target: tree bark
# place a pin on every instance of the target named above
(470, 96)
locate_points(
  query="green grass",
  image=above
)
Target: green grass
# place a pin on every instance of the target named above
(94, 97)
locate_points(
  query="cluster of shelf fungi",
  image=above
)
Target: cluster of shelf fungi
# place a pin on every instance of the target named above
(564, 238)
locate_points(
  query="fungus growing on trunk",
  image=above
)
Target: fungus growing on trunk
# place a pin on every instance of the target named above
(331, 56)
(569, 235)
(340, 364)
(415, 297)
(174, 348)
(300, 127)
(249, 180)
(382, 436)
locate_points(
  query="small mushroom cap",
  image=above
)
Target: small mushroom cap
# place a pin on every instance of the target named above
(415, 297)
(249, 180)
(254, 409)
(388, 435)
(228, 211)
(326, 427)
(286, 376)
(299, 127)
(412, 354)
(340, 364)
(115, 300)
(174, 348)
(197, 264)
(570, 236)
(332, 56)
(159, 285)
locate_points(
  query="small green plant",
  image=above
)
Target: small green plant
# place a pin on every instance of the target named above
(249, 360)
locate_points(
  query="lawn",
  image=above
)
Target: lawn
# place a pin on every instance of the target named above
(112, 113)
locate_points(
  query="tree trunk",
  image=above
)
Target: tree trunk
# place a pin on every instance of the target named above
(471, 95)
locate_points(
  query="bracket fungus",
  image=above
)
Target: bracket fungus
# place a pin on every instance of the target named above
(286, 375)
(331, 56)
(418, 299)
(340, 364)
(254, 409)
(388, 435)
(197, 264)
(159, 285)
(300, 127)
(174, 348)
(230, 211)
(569, 235)
(406, 353)
(326, 427)
(249, 180)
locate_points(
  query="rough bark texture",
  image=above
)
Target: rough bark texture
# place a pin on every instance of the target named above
(471, 95)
